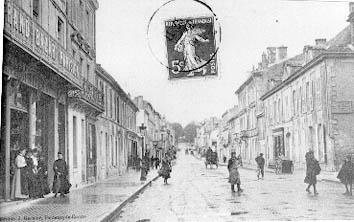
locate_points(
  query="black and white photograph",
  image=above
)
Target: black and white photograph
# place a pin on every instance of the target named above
(176, 110)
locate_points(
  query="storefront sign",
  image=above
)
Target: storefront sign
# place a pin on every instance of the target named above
(342, 107)
(191, 50)
(31, 36)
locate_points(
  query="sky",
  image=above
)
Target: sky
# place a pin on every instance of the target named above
(248, 27)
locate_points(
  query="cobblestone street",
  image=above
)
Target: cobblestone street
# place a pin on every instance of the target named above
(198, 194)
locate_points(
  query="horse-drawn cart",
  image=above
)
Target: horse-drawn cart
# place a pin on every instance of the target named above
(211, 159)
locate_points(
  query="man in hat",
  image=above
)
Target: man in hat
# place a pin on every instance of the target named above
(260, 165)
(61, 183)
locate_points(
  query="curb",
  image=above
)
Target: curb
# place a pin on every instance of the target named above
(112, 215)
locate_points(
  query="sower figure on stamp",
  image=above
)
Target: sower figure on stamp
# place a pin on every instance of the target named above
(61, 183)
(312, 170)
(346, 175)
(234, 175)
(260, 165)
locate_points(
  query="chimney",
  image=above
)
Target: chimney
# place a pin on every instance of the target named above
(271, 54)
(264, 60)
(282, 52)
(320, 42)
(351, 21)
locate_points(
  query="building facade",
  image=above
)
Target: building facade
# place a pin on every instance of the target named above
(47, 90)
(118, 138)
(157, 134)
(312, 109)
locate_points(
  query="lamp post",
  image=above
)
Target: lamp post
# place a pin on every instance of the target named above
(142, 128)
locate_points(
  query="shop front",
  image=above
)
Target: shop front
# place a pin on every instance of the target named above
(34, 113)
(37, 74)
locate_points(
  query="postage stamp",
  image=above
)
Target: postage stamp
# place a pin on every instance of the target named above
(191, 47)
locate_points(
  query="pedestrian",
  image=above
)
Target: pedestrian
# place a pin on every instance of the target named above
(43, 175)
(278, 164)
(239, 157)
(144, 168)
(157, 163)
(260, 165)
(165, 169)
(61, 183)
(224, 159)
(346, 175)
(18, 188)
(234, 176)
(312, 170)
(152, 160)
(30, 174)
(35, 190)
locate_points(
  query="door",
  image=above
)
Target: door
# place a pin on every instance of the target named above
(91, 153)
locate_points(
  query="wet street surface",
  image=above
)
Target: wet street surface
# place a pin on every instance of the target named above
(195, 193)
(91, 203)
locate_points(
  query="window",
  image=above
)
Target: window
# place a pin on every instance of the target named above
(36, 9)
(74, 142)
(117, 109)
(60, 31)
(110, 103)
(279, 111)
(81, 65)
(88, 71)
(307, 98)
(294, 103)
(301, 105)
(112, 152)
(88, 25)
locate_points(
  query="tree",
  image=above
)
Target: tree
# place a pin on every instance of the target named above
(190, 132)
(177, 127)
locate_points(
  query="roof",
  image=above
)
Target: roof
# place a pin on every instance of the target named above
(337, 46)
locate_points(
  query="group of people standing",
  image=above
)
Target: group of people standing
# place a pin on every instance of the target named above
(313, 169)
(30, 175)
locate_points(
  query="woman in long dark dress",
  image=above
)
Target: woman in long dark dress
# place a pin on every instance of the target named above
(43, 175)
(30, 174)
(36, 190)
(312, 170)
(346, 175)
(165, 169)
(61, 183)
(234, 176)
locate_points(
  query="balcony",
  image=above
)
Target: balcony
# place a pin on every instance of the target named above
(89, 98)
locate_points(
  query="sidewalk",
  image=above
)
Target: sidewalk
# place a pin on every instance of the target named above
(324, 175)
(97, 202)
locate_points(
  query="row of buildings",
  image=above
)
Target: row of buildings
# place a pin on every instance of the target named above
(288, 106)
(55, 97)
